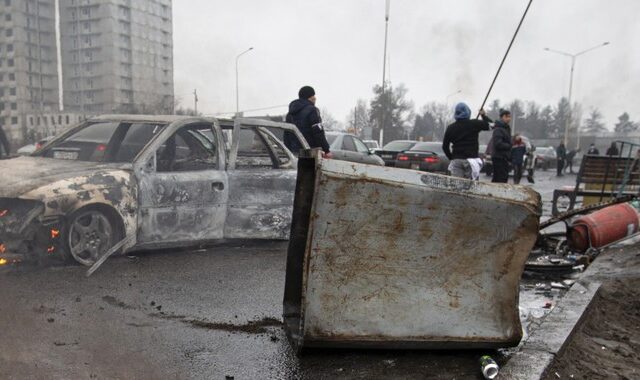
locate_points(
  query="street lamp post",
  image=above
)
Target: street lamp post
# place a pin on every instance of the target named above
(573, 64)
(237, 85)
(384, 72)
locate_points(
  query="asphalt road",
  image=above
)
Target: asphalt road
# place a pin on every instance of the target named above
(202, 314)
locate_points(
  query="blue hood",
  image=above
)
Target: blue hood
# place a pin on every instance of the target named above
(462, 111)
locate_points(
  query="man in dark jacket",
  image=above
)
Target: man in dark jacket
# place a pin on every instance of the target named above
(304, 114)
(613, 150)
(518, 151)
(570, 156)
(501, 141)
(593, 151)
(561, 153)
(4, 144)
(463, 135)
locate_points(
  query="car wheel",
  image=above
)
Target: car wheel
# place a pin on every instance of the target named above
(90, 233)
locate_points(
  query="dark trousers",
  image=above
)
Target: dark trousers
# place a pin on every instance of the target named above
(560, 166)
(4, 144)
(530, 176)
(500, 170)
(517, 173)
(569, 165)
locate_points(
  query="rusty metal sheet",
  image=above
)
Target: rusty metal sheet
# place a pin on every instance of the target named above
(385, 257)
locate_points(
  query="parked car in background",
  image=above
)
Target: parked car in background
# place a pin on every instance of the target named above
(28, 149)
(371, 144)
(487, 164)
(390, 151)
(425, 156)
(546, 158)
(347, 147)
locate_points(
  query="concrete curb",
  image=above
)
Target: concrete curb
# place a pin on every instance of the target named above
(548, 340)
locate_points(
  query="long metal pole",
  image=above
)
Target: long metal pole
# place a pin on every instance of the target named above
(568, 126)
(383, 98)
(505, 55)
(237, 79)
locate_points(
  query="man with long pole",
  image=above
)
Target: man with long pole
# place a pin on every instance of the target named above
(573, 65)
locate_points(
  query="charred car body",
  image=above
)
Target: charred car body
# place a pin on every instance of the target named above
(166, 181)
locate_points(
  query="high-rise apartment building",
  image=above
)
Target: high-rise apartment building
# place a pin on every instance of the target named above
(82, 56)
(117, 55)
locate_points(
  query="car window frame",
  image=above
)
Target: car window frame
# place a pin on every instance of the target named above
(356, 140)
(195, 127)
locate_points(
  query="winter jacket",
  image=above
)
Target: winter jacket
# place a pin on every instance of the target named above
(561, 152)
(593, 151)
(307, 118)
(517, 154)
(501, 141)
(613, 151)
(463, 134)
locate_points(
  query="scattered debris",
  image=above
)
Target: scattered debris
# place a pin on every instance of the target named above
(489, 367)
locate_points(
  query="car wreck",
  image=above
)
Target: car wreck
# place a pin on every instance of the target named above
(156, 181)
(387, 258)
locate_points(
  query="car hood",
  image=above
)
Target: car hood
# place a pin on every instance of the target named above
(24, 174)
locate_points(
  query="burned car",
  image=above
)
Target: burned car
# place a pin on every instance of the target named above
(156, 181)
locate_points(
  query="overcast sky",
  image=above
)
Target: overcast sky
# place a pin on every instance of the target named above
(435, 48)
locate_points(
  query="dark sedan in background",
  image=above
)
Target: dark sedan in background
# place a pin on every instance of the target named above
(424, 156)
(546, 158)
(390, 151)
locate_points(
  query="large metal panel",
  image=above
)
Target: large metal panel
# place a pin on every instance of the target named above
(399, 258)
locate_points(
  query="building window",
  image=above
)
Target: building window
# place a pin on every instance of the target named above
(12, 77)
(10, 62)
(14, 120)
(1, 106)
(9, 47)
(12, 91)
(31, 120)
(67, 119)
(1, 93)
(14, 106)
(7, 17)
(7, 3)
(8, 32)
(86, 26)
(59, 119)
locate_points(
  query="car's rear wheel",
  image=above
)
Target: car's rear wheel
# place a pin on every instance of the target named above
(90, 234)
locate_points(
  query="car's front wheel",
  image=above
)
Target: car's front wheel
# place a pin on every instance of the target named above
(90, 234)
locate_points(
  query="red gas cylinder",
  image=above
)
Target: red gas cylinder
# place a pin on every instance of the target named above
(603, 227)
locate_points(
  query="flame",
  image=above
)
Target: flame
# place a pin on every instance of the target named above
(2, 248)
(3, 213)
(51, 249)
(54, 233)
(4, 262)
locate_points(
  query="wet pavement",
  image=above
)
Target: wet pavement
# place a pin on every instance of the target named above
(203, 314)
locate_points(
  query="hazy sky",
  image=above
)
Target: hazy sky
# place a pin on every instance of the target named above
(435, 48)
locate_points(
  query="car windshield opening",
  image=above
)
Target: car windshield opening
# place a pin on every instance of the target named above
(104, 142)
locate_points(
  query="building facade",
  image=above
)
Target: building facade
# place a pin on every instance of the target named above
(73, 58)
(117, 56)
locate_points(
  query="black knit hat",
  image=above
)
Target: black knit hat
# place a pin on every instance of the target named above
(306, 92)
(504, 112)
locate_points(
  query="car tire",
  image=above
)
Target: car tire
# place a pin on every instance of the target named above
(89, 233)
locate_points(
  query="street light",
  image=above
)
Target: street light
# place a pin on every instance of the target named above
(237, 85)
(573, 64)
(450, 95)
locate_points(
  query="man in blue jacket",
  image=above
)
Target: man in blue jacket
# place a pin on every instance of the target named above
(501, 141)
(304, 114)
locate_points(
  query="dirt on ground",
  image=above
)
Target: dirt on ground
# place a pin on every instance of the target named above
(607, 343)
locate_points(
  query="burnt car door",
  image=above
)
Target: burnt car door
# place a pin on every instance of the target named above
(262, 178)
(183, 187)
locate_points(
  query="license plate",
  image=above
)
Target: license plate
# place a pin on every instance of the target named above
(415, 166)
(62, 155)
(387, 156)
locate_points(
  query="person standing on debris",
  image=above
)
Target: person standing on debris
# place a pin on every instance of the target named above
(306, 116)
(460, 143)
(570, 156)
(518, 152)
(5, 149)
(613, 150)
(593, 151)
(561, 153)
(501, 142)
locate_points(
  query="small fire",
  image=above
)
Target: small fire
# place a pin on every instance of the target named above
(2, 248)
(3, 213)
(54, 233)
(4, 262)
(51, 249)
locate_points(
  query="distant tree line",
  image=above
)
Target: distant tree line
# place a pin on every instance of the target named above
(530, 118)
